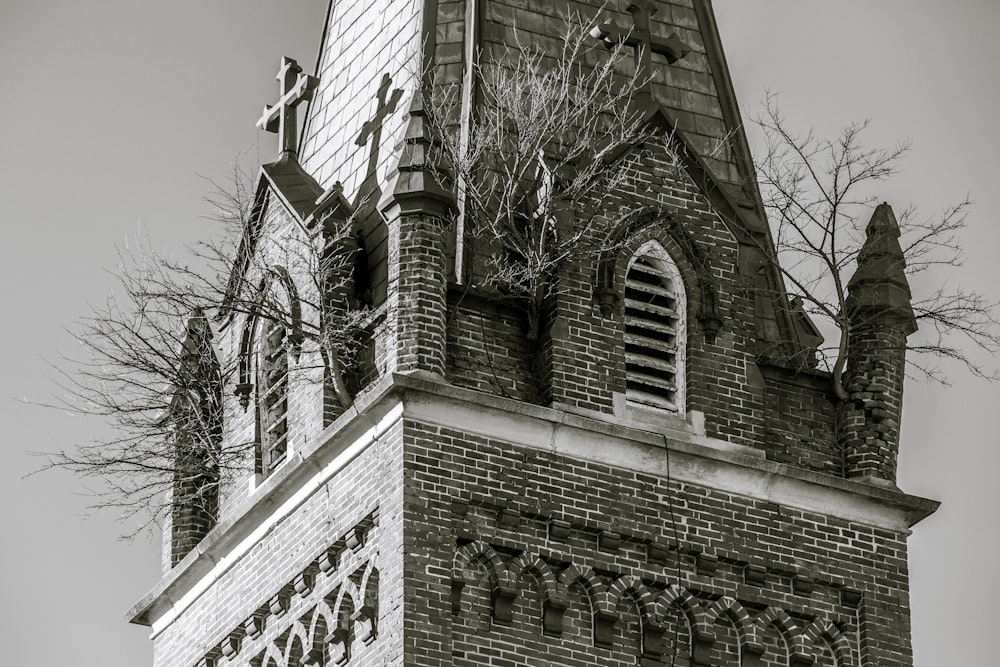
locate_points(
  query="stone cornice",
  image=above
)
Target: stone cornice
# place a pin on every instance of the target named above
(673, 450)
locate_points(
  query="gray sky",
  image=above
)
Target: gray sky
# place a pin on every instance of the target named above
(113, 108)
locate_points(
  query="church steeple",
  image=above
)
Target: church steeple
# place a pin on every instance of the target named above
(614, 476)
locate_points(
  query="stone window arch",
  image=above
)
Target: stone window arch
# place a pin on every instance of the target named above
(655, 308)
(691, 261)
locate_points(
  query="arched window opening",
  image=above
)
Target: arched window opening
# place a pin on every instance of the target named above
(655, 330)
(272, 337)
(272, 395)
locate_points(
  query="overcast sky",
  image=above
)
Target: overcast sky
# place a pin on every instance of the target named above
(114, 110)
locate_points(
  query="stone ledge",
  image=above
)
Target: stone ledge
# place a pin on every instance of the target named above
(805, 378)
(691, 457)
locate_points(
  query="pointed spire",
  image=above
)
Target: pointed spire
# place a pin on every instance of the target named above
(414, 180)
(199, 335)
(879, 287)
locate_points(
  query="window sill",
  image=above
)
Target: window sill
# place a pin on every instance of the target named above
(255, 480)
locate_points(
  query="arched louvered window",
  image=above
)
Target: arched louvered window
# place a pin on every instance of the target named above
(272, 395)
(655, 330)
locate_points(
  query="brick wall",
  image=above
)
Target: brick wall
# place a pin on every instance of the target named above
(488, 550)
(800, 424)
(193, 514)
(500, 535)
(486, 346)
(582, 366)
(876, 368)
(491, 552)
(323, 550)
(588, 363)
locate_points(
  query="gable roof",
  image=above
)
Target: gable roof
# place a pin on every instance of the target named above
(697, 93)
(293, 186)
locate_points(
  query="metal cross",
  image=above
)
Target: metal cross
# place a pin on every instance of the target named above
(295, 88)
(642, 41)
(383, 109)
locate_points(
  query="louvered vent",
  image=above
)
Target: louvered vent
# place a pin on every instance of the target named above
(653, 324)
(273, 403)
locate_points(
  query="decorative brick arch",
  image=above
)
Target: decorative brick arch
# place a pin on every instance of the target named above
(365, 617)
(591, 582)
(270, 658)
(691, 261)
(571, 575)
(369, 584)
(675, 596)
(645, 600)
(824, 629)
(604, 599)
(542, 571)
(733, 611)
(346, 599)
(484, 554)
(338, 641)
(633, 587)
(315, 647)
(658, 609)
(504, 585)
(323, 619)
(296, 645)
(790, 632)
(269, 637)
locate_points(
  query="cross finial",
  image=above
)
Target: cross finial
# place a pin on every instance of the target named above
(295, 87)
(642, 41)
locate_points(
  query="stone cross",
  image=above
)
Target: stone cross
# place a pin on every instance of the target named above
(383, 109)
(642, 41)
(295, 88)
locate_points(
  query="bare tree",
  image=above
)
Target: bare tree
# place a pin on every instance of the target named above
(819, 194)
(151, 370)
(542, 135)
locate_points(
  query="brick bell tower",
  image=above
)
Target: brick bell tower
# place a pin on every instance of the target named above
(668, 488)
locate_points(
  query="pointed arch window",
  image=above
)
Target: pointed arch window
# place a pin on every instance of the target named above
(272, 338)
(655, 330)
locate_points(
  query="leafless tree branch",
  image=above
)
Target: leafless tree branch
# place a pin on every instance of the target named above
(819, 193)
(149, 368)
